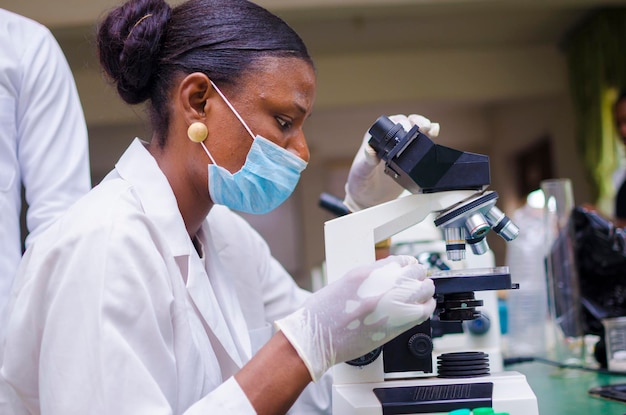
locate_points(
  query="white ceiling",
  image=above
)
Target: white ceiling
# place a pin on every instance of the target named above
(340, 25)
(365, 26)
(481, 32)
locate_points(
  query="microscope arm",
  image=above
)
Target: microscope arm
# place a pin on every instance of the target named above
(350, 239)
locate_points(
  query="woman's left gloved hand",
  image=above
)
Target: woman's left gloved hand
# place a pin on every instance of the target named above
(359, 312)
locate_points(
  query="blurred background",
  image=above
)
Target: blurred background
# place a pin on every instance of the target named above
(513, 79)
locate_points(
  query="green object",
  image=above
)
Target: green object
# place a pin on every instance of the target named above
(565, 391)
(463, 411)
(483, 411)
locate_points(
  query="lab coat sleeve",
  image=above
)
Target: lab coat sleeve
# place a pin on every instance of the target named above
(93, 330)
(229, 399)
(51, 131)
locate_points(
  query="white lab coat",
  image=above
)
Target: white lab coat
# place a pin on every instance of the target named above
(43, 138)
(114, 312)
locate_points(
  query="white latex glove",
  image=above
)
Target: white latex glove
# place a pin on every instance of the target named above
(368, 185)
(363, 310)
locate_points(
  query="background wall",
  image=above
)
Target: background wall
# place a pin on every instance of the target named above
(490, 71)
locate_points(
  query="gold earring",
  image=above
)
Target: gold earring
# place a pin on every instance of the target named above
(197, 132)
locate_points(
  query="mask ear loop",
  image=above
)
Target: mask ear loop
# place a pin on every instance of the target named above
(233, 110)
(206, 150)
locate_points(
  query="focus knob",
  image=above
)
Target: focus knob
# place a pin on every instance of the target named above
(420, 345)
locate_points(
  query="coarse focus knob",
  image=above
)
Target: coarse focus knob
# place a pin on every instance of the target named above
(420, 345)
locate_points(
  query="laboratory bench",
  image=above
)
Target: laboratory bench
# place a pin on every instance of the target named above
(566, 391)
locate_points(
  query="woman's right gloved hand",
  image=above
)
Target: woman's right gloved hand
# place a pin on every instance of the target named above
(368, 184)
(363, 310)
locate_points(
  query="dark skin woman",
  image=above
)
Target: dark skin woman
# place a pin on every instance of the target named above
(150, 295)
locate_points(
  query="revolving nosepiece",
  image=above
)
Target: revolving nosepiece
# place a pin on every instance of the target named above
(470, 222)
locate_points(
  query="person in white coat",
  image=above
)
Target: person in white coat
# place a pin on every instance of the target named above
(43, 139)
(150, 295)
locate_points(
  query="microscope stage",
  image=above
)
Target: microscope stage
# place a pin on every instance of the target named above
(478, 279)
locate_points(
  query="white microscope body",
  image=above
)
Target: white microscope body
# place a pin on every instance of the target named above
(399, 378)
(367, 389)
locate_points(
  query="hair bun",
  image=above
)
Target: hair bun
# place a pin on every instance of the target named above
(129, 41)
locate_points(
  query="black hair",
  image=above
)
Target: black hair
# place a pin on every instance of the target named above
(143, 45)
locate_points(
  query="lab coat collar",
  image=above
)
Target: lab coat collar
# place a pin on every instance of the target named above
(205, 297)
(221, 278)
(138, 167)
(217, 301)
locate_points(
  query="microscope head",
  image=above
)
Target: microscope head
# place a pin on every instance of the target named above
(419, 165)
(415, 162)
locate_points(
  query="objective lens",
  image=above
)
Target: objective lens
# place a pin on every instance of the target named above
(477, 226)
(501, 224)
(455, 243)
(479, 245)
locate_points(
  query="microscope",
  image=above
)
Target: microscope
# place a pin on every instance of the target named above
(399, 378)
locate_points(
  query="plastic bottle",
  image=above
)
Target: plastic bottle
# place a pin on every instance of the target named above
(527, 307)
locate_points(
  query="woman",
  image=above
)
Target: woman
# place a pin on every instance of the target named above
(150, 296)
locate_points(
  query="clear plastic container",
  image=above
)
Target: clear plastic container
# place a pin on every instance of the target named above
(615, 338)
(562, 273)
(527, 307)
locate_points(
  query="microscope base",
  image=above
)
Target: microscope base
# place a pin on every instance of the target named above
(505, 392)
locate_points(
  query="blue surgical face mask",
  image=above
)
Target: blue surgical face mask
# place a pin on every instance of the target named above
(267, 178)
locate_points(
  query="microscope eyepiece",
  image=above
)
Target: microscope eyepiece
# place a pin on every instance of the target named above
(386, 134)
